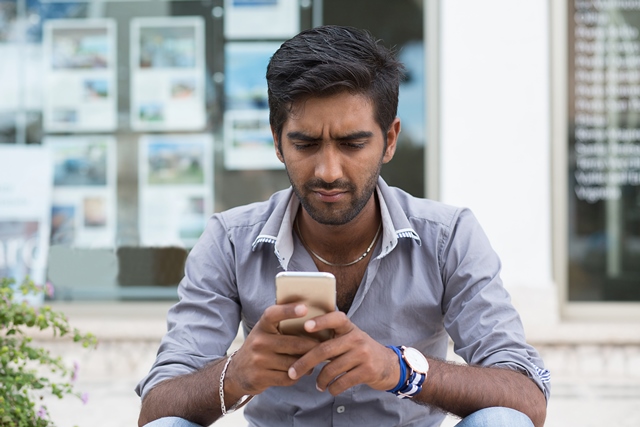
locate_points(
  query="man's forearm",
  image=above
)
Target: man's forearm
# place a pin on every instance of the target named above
(462, 390)
(194, 397)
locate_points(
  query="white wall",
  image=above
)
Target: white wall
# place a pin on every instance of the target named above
(495, 129)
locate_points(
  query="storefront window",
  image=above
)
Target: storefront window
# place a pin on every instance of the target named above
(153, 115)
(604, 151)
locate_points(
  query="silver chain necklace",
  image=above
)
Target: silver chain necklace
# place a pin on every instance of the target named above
(363, 256)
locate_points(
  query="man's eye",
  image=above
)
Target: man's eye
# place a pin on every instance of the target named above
(354, 145)
(303, 146)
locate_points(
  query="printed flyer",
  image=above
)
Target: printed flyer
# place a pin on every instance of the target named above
(83, 211)
(25, 203)
(261, 19)
(248, 143)
(167, 74)
(80, 93)
(175, 188)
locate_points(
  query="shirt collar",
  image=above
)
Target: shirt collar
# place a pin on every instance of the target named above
(278, 230)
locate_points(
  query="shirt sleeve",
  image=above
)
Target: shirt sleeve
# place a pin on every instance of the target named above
(203, 324)
(478, 315)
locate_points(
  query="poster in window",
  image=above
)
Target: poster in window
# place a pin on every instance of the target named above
(175, 188)
(83, 210)
(261, 19)
(25, 202)
(80, 93)
(167, 74)
(248, 142)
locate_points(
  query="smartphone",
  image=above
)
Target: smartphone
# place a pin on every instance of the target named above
(316, 290)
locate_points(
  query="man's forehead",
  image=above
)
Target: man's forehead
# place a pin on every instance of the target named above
(297, 108)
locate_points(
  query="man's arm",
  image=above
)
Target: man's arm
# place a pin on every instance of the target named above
(459, 389)
(193, 397)
(261, 362)
(462, 390)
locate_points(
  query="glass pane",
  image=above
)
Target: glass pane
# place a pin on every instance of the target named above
(398, 24)
(604, 152)
(154, 117)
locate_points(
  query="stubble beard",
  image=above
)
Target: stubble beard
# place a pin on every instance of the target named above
(327, 215)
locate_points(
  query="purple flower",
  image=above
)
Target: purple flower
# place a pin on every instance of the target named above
(85, 398)
(49, 289)
(42, 412)
(74, 374)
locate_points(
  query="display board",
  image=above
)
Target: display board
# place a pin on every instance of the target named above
(604, 150)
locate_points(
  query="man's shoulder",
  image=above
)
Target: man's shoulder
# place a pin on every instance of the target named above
(423, 209)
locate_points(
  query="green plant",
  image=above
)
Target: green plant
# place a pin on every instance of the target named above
(27, 371)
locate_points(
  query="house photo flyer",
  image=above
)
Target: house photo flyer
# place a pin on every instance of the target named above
(167, 74)
(175, 176)
(80, 93)
(83, 209)
(261, 19)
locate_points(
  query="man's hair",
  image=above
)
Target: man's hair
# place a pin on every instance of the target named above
(327, 60)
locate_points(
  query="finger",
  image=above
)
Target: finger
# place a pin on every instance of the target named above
(336, 320)
(322, 352)
(345, 381)
(273, 315)
(267, 343)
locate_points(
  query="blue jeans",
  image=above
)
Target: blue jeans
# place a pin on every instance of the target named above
(496, 417)
(171, 422)
(489, 417)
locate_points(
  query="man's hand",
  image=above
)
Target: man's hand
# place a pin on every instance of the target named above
(354, 357)
(266, 355)
(261, 362)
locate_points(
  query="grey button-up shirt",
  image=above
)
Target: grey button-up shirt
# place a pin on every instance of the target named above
(433, 276)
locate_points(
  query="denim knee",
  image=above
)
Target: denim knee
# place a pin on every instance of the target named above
(496, 417)
(171, 422)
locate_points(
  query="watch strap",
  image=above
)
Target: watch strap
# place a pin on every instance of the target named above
(403, 370)
(410, 382)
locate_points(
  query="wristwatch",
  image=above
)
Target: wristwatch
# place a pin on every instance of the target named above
(415, 360)
(413, 372)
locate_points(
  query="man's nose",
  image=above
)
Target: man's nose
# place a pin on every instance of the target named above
(329, 164)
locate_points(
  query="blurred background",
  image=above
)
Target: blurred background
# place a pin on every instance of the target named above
(125, 124)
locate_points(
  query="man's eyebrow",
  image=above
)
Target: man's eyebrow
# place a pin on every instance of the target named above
(362, 134)
(301, 136)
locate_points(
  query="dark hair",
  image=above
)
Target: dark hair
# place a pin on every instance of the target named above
(326, 60)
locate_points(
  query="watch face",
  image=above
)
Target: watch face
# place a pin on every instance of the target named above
(415, 360)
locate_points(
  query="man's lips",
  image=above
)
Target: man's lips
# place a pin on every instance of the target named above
(330, 196)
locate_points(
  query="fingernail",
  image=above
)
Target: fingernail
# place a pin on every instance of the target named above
(319, 389)
(292, 373)
(309, 325)
(299, 310)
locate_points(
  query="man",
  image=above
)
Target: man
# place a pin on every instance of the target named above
(410, 274)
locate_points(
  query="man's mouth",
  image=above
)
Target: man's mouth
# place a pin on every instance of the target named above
(330, 196)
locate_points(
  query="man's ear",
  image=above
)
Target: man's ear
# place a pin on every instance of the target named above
(392, 140)
(276, 145)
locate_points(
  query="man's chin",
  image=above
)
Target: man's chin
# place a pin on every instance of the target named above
(328, 218)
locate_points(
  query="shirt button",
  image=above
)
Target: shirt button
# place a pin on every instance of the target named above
(340, 409)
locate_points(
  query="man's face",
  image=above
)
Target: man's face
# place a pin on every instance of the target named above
(333, 150)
